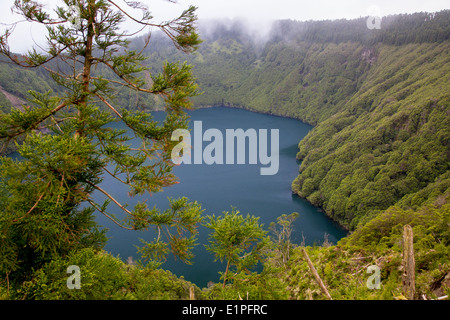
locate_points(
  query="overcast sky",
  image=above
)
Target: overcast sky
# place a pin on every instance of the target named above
(257, 12)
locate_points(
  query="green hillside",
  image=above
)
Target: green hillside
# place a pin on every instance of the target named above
(387, 142)
(377, 159)
(379, 100)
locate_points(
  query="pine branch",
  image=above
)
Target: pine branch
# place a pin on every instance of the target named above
(110, 197)
(108, 216)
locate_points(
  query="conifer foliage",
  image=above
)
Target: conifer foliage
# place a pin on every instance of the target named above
(69, 144)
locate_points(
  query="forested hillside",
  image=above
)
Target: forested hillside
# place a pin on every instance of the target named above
(387, 142)
(377, 159)
(379, 100)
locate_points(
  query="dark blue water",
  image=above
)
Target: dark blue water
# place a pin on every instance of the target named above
(218, 187)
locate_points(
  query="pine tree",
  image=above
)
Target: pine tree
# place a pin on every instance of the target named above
(46, 204)
(239, 240)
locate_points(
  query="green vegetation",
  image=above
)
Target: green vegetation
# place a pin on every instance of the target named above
(389, 141)
(47, 212)
(238, 240)
(376, 160)
(343, 267)
(103, 278)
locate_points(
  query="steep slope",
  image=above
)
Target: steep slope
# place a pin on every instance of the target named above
(344, 267)
(389, 141)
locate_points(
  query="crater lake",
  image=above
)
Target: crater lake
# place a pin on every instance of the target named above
(219, 187)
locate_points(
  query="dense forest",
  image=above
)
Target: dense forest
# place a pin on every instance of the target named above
(379, 100)
(377, 159)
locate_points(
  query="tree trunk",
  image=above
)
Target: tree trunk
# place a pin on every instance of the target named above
(316, 275)
(86, 77)
(226, 274)
(408, 277)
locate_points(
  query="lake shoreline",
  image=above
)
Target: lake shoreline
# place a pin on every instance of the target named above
(217, 187)
(231, 106)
